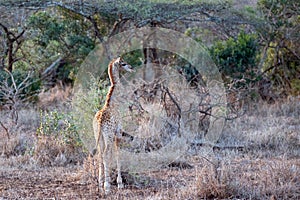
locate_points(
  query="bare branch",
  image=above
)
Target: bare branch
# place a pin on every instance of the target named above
(12, 78)
(52, 66)
(5, 129)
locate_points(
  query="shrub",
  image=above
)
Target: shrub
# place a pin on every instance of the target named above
(60, 126)
(236, 58)
(58, 140)
(85, 105)
(58, 33)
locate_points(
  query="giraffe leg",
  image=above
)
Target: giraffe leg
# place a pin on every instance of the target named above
(119, 178)
(100, 181)
(107, 167)
(101, 174)
(118, 136)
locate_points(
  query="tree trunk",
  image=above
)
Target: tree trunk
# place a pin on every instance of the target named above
(152, 68)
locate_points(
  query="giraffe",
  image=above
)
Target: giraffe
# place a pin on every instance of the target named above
(107, 128)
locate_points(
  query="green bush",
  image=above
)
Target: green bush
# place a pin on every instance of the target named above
(295, 87)
(61, 127)
(237, 58)
(86, 103)
(60, 35)
(134, 58)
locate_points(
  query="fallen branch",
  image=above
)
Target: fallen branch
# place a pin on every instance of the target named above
(216, 146)
(51, 67)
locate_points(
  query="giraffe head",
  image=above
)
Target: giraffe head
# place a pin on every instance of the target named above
(121, 64)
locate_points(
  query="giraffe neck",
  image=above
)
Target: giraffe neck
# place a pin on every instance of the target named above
(113, 73)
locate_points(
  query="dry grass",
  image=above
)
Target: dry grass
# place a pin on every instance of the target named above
(55, 97)
(263, 178)
(265, 164)
(237, 179)
(268, 131)
(51, 152)
(20, 138)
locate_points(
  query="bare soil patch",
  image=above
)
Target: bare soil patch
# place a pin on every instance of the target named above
(233, 179)
(56, 182)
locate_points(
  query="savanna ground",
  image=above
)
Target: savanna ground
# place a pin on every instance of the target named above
(257, 157)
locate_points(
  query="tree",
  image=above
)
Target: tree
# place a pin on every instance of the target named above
(279, 35)
(12, 36)
(118, 15)
(59, 37)
(276, 24)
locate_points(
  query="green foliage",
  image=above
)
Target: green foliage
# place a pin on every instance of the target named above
(64, 32)
(144, 12)
(237, 58)
(134, 58)
(48, 27)
(295, 86)
(85, 105)
(61, 127)
(274, 9)
(57, 33)
(67, 73)
(200, 34)
(280, 36)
